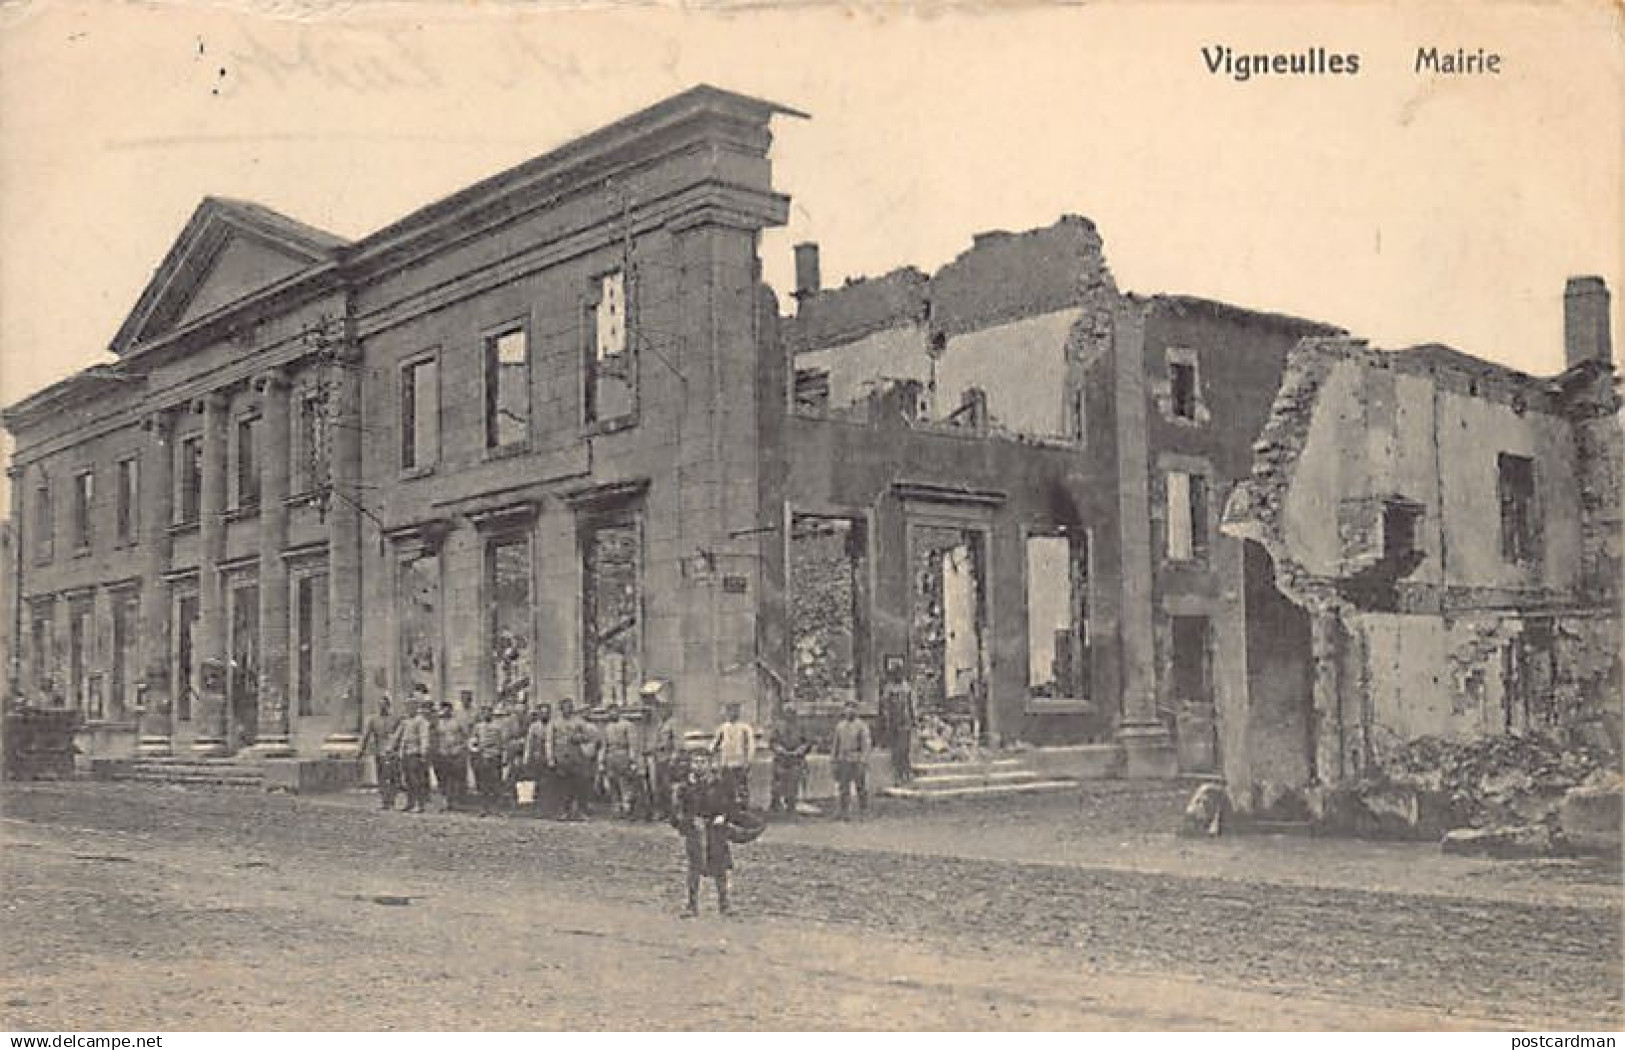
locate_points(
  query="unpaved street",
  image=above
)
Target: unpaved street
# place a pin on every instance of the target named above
(150, 908)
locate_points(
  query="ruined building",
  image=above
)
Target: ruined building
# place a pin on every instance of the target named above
(1431, 547)
(553, 436)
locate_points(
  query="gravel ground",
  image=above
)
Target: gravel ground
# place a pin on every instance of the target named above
(125, 890)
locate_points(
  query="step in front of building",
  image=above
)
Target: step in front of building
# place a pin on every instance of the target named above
(988, 778)
(201, 772)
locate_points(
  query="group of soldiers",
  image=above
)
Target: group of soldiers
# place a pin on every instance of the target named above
(567, 760)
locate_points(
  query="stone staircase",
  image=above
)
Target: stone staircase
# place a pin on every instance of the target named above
(184, 769)
(983, 778)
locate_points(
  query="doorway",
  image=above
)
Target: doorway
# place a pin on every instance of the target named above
(948, 629)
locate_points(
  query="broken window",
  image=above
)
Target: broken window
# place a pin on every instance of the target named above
(43, 651)
(189, 478)
(1058, 617)
(812, 392)
(310, 445)
(1077, 426)
(243, 674)
(612, 609)
(84, 496)
(1187, 516)
(44, 523)
(825, 559)
(121, 683)
(417, 601)
(183, 653)
(1184, 390)
(1528, 675)
(310, 641)
(86, 698)
(507, 389)
(509, 635)
(1515, 477)
(248, 463)
(947, 625)
(126, 499)
(420, 414)
(610, 385)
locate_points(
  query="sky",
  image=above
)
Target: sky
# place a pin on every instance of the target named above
(1404, 207)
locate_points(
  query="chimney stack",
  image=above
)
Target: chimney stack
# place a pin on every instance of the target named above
(808, 280)
(1585, 322)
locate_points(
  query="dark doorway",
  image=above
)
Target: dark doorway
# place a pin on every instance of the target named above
(1191, 679)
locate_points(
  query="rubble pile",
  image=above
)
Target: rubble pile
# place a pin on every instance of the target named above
(1516, 778)
(1505, 795)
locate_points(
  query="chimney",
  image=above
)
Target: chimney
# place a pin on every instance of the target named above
(808, 281)
(1585, 322)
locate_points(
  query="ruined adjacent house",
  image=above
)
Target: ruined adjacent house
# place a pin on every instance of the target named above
(1431, 548)
(1027, 466)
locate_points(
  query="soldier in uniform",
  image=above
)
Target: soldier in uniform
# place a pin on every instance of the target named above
(537, 758)
(379, 736)
(618, 761)
(451, 757)
(665, 752)
(416, 746)
(575, 749)
(486, 745)
(790, 750)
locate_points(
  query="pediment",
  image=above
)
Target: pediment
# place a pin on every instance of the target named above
(228, 250)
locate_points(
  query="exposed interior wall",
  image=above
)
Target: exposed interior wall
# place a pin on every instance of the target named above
(1021, 365)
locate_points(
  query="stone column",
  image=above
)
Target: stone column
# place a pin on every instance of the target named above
(157, 481)
(344, 552)
(274, 731)
(1147, 749)
(211, 653)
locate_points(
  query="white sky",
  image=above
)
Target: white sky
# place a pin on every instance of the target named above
(1406, 208)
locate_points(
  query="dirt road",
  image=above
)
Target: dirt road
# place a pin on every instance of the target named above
(147, 908)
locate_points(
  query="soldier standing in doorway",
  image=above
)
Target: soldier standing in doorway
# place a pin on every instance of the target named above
(898, 697)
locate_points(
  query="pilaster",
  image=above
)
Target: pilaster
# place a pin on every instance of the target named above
(211, 653)
(344, 678)
(157, 479)
(273, 737)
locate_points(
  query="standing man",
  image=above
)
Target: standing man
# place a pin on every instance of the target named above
(486, 745)
(451, 756)
(619, 761)
(734, 746)
(575, 750)
(850, 755)
(665, 751)
(898, 696)
(417, 748)
(538, 760)
(379, 735)
(790, 750)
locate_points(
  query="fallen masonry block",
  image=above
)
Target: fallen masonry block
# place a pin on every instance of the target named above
(1591, 815)
(1521, 840)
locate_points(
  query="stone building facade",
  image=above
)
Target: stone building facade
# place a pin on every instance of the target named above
(1431, 548)
(493, 447)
